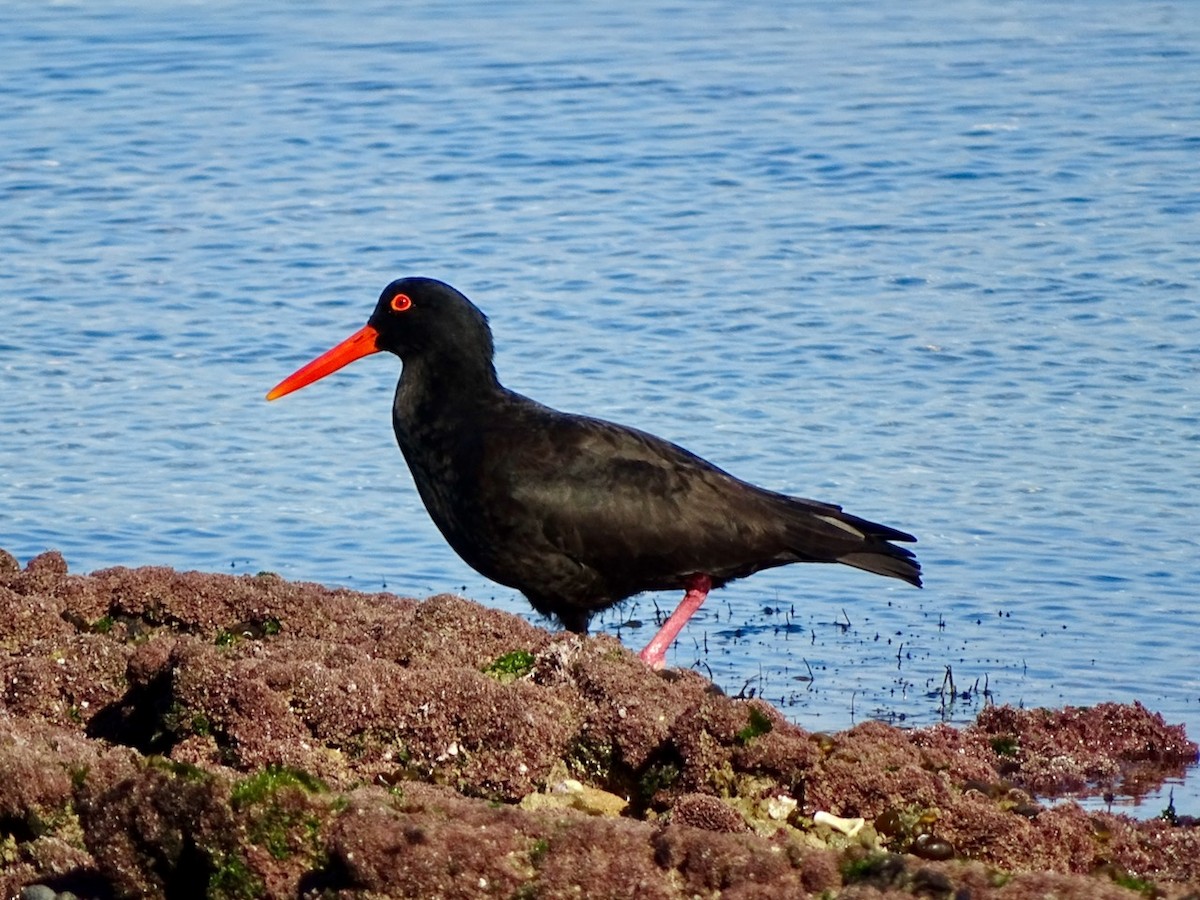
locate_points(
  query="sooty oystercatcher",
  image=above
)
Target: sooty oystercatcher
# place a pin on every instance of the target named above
(577, 513)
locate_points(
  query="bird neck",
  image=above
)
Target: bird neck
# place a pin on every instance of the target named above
(445, 387)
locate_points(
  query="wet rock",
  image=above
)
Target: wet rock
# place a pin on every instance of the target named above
(568, 793)
(707, 812)
(170, 733)
(930, 846)
(8, 564)
(1089, 750)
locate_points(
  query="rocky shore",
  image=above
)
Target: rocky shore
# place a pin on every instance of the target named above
(178, 734)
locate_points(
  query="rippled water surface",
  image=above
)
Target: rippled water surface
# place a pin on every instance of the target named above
(937, 263)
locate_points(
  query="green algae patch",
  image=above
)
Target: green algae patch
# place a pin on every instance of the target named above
(759, 725)
(510, 666)
(280, 816)
(232, 879)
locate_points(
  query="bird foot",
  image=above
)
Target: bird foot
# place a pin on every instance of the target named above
(655, 653)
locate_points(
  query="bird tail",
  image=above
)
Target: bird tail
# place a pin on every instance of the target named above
(887, 559)
(872, 550)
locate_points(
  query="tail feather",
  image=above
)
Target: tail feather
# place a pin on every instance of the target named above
(895, 562)
(869, 548)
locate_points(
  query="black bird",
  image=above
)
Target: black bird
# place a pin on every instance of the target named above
(577, 513)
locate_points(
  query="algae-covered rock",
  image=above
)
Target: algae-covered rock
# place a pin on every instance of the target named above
(170, 734)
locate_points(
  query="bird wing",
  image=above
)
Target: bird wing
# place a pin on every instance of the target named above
(645, 513)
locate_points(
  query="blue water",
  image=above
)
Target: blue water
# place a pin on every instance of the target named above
(935, 262)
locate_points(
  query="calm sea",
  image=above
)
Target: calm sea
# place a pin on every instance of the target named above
(935, 262)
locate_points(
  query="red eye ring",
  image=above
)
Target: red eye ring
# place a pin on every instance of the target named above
(401, 302)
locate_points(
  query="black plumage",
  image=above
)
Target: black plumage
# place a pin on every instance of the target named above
(575, 512)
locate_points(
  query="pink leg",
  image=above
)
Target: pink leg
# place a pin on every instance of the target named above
(655, 653)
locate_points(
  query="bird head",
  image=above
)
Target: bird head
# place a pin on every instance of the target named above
(414, 317)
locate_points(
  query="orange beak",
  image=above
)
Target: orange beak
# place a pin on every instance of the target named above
(358, 345)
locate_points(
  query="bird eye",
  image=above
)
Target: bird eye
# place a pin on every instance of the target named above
(401, 302)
